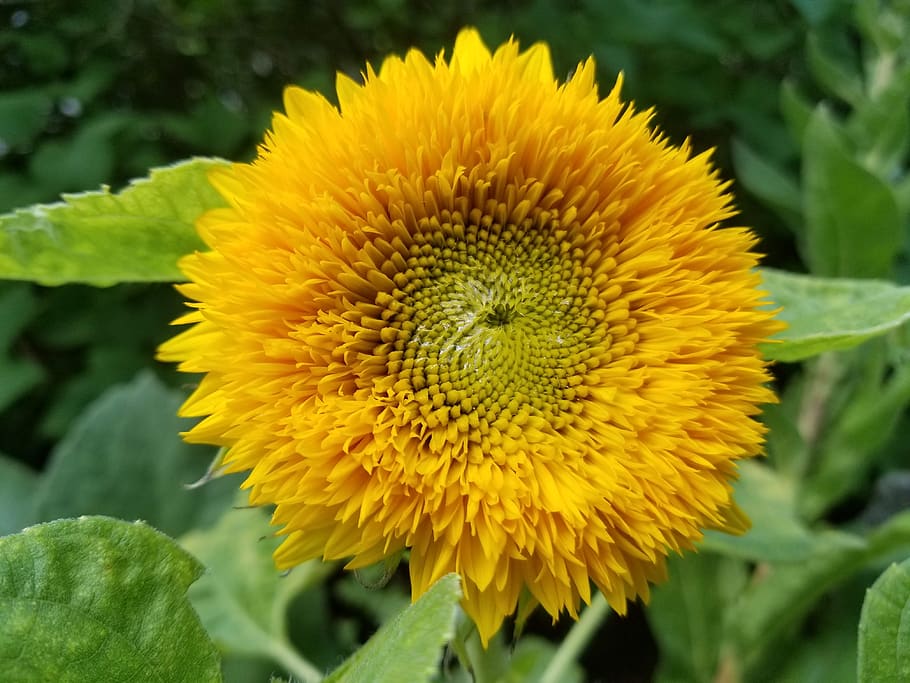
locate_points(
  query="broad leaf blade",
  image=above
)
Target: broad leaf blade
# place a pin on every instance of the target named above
(408, 647)
(97, 599)
(884, 628)
(129, 461)
(829, 314)
(101, 238)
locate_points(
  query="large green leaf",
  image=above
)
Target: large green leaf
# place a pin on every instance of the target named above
(853, 224)
(101, 238)
(242, 599)
(124, 458)
(828, 314)
(97, 599)
(884, 628)
(408, 647)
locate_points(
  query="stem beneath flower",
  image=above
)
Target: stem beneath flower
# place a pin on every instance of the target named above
(478, 659)
(576, 640)
(294, 663)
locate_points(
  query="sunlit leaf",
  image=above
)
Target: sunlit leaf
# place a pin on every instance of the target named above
(100, 238)
(828, 314)
(97, 599)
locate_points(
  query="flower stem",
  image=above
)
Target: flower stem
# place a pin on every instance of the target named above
(576, 640)
(295, 664)
(477, 657)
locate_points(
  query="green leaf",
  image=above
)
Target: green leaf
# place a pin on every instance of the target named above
(826, 651)
(17, 491)
(127, 457)
(769, 183)
(777, 533)
(828, 314)
(97, 599)
(685, 614)
(884, 628)
(796, 109)
(785, 593)
(853, 225)
(881, 126)
(101, 238)
(242, 599)
(408, 647)
(831, 65)
(860, 417)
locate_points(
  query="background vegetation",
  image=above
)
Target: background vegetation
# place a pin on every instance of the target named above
(808, 106)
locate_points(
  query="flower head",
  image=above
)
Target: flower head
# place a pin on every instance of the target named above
(485, 317)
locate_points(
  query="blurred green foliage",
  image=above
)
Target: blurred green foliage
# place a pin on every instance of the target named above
(808, 105)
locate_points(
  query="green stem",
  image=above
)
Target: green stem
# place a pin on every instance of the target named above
(295, 664)
(485, 665)
(477, 656)
(577, 639)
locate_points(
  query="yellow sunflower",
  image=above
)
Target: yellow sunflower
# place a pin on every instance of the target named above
(483, 316)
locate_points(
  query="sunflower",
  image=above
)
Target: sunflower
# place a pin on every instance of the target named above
(481, 316)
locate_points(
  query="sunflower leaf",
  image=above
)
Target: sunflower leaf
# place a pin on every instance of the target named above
(100, 238)
(125, 452)
(408, 647)
(884, 628)
(242, 599)
(830, 314)
(98, 599)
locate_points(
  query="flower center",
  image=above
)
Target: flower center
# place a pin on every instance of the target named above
(494, 317)
(499, 314)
